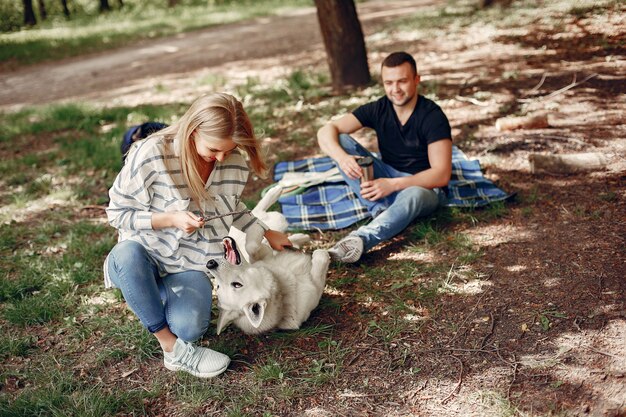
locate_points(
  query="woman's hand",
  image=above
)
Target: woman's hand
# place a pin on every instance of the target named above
(277, 240)
(183, 220)
(187, 221)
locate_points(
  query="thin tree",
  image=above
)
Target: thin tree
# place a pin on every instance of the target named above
(104, 6)
(172, 3)
(42, 10)
(29, 13)
(483, 4)
(344, 43)
(66, 10)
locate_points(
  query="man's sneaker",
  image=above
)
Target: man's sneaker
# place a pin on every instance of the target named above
(198, 361)
(348, 250)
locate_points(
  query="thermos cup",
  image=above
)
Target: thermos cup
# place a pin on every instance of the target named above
(367, 167)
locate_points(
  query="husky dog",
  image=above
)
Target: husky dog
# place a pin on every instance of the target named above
(279, 290)
(259, 289)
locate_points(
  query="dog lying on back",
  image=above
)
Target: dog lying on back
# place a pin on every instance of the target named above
(277, 291)
(266, 290)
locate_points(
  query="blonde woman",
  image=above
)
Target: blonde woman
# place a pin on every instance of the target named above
(171, 181)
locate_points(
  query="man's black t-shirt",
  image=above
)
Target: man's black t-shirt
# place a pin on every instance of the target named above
(405, 147)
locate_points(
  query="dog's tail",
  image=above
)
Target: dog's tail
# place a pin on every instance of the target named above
(271, 196)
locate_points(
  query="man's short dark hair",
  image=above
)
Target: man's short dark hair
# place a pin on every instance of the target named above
(398, 58)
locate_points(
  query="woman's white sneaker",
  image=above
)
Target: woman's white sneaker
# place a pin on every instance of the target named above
(198, 361)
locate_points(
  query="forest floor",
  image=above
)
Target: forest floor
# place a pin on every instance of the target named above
(535, 324)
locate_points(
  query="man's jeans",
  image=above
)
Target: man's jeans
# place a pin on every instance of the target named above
(395, 212)
(181, 301)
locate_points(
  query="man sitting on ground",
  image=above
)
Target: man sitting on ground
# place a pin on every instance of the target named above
(415, 144)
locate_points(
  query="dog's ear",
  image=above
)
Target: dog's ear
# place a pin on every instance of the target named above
(255, 312)
(226, 317)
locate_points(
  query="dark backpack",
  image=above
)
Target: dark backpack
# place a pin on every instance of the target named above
(135, 133)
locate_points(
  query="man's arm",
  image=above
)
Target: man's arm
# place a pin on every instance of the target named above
(328, 139)
(438, 175)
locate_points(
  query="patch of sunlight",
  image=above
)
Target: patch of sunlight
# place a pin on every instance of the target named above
(56, 249)
(334, 291)
(61, 276)
(158, 49)
(481, 394)
(473, 287)
(19, 211)
(577, 361)
(544, 360)
(492, 403)
(516, 268)
(414, 318)
(426, 256)
(492, 235)
(104, 298)
(317, 412)
(552, 282)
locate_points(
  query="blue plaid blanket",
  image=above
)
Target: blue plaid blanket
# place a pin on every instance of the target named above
(331, 206)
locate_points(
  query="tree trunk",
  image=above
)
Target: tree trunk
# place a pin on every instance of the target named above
(104, 6)
(121, 3)
(172, 3)
(488, 3)
(29, 13)
(42, 10)
(66, 10)
(344, 43)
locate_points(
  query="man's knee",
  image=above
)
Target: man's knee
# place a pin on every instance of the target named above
(420, 200)
(348, 143)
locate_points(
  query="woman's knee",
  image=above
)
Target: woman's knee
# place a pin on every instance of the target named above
(191, 327)
(128, 252)
(129, 261)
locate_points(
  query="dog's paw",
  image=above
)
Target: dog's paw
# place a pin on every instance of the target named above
(321, 256)
(299, 239)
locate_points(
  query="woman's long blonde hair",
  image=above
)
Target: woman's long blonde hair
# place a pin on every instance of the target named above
(219, 116)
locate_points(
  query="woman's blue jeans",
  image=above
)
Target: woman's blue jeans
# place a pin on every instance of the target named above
(180, 301)
(395, 212)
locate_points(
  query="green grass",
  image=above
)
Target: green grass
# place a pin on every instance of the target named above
(91, 32)
(11, 345)
(64, 395)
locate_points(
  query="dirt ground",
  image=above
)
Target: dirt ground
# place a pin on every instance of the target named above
(555, 262)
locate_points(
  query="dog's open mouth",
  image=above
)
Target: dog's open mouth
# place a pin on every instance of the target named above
(231, 254)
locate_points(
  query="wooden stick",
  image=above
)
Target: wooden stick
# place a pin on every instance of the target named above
(560, 91)
(458, 384)
(538, 86)
(471, 100)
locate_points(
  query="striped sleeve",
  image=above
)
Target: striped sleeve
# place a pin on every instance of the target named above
(245, 221)
(131, 193)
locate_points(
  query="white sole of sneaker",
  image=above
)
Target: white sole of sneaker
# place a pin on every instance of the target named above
(197, 374)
